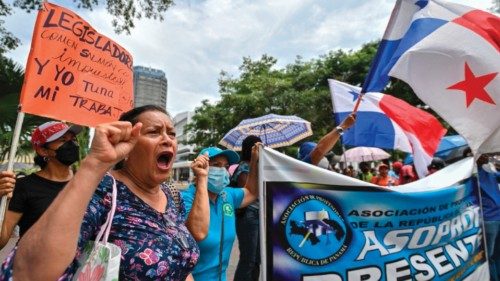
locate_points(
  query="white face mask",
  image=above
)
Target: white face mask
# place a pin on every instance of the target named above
(218, 178)
(489, 167)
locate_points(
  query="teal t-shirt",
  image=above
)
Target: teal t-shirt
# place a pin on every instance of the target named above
(226, 203)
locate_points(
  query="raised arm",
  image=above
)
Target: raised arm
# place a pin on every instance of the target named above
(50, 245)
(251, 187)
(198, 218)
(327, 142)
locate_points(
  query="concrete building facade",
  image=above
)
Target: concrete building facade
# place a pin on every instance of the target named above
(180, 122)
(150, 87)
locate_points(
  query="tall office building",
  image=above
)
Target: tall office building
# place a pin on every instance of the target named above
(184, 151)
(150, 87)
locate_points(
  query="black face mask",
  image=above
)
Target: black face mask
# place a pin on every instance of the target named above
(68, 153)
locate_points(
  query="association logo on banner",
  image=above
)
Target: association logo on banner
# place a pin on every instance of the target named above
(313, 230)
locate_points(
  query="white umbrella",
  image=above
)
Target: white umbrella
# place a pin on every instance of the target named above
(274, 131)
(362, 153)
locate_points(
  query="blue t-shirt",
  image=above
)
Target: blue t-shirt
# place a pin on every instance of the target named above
(226, 203)
(490, 194)
(393, 175)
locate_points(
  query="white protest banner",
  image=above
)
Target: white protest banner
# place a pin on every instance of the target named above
(320, 225)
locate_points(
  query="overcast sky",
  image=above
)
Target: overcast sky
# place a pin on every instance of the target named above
(200, 38)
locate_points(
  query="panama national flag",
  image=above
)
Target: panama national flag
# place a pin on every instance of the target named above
(387, 122)
(450, 55)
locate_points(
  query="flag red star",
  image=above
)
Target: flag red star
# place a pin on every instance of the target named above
(473, 86)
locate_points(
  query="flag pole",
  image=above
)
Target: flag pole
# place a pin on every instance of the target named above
(478, 190)
(340, 137)
(358, 102)
(12, 156)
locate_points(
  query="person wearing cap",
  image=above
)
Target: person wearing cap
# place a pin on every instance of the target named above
(56, 149)
(383, 178)
(313, 153)
(215, 247)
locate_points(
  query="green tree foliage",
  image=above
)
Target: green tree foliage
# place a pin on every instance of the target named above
(11, 80)
(300, 88)
(124, 13)
(7, 40)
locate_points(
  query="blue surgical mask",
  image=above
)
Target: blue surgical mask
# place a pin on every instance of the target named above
(218, 178)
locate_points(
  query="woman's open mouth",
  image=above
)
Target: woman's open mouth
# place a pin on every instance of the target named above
(163, 160)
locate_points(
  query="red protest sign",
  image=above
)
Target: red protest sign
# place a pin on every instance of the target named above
(74, 73)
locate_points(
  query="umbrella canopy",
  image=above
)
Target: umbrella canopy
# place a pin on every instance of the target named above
(448, 144)
(363, 153)
(274, 131)
(449, 147)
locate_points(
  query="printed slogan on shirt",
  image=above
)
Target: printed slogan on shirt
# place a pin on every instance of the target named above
(74, 73)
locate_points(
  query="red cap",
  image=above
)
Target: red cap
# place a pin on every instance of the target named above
(50, 131)
(397, 165)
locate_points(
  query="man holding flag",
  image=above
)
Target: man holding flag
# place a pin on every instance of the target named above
(313, 153)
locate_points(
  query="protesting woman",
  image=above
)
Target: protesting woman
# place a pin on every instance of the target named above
(56, 150)
(221, 203)
(148, 223)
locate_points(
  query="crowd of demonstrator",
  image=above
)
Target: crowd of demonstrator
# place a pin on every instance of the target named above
(163, 234)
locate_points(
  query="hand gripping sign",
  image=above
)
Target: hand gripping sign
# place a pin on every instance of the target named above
(74, 73)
